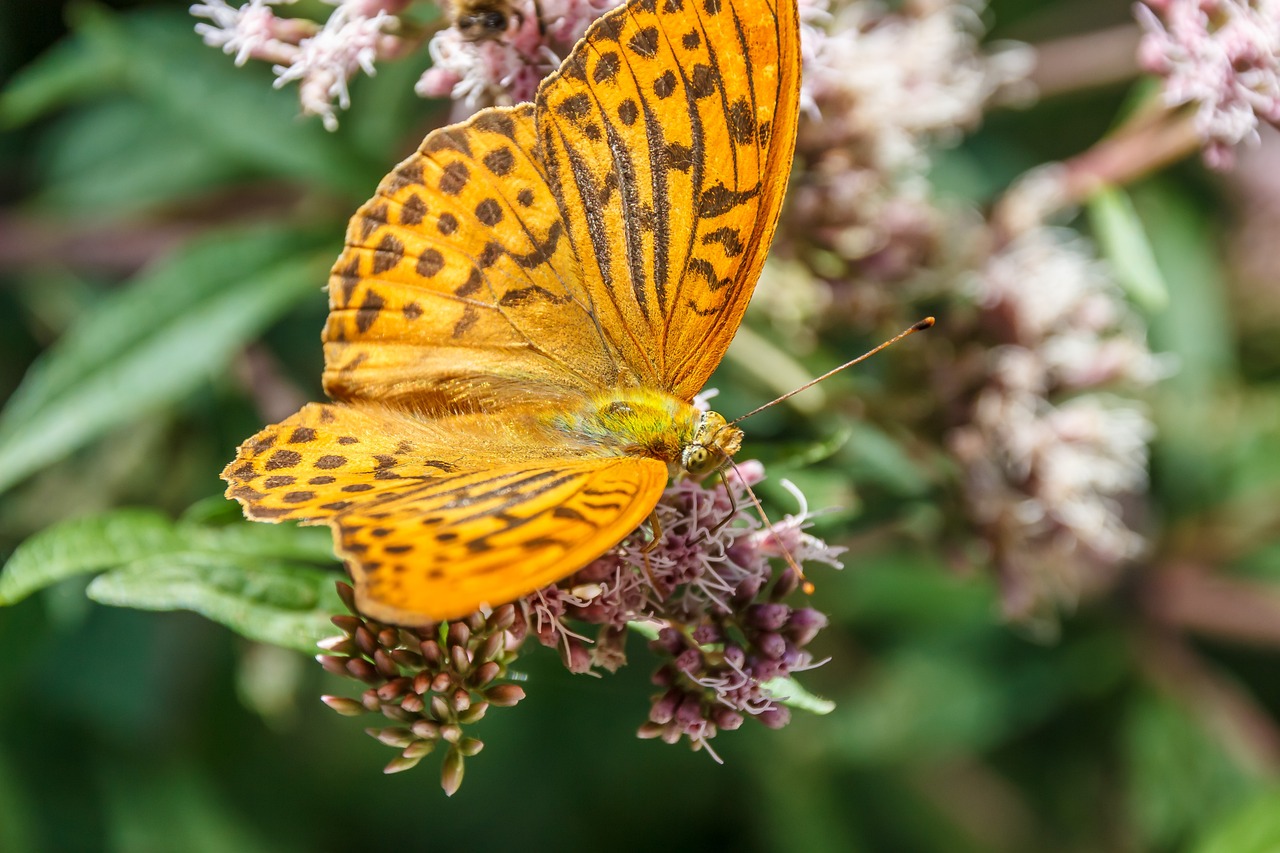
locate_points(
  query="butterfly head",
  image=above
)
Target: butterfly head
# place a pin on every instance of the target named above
(714, 443)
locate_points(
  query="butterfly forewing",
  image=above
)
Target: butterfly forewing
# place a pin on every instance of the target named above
(460, 270)
(667, 137)
(442, 550)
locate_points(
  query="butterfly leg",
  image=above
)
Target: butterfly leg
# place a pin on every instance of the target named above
(655, 527)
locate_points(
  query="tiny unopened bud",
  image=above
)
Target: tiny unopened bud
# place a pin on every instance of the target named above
(413, 703)
(708, 633)
(394, 689)
(484, 674)
(459, 634)
(502, 618)
(649, 731)
(451, 772)
(395, 712)
(421, 683)
(431, 653)
(392, 736)
(470, 746)
(344, 706)
(333, 644)
(365, 641)
(804, 625)
(689, 711)
(387, 668)
(347, 594)
(775, 717)
(726, 719)
(787, 583)
(419, 749)
(426, 729)
(400, 764)
(664, 709)
(473, 714)
(439, 708)
(575, 656)
(363, 670)
(504, 695)
(461, 700)
(493, 646)
(334, 664)
(771, 645)
(460, 659)
(768, 617)
(689, 661)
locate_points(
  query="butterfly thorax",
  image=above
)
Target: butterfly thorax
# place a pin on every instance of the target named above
(652, 423)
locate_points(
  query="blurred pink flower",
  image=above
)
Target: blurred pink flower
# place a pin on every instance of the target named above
(1224, 56)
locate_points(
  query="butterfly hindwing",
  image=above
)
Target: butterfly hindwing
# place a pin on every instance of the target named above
(330, 458)
(445, 548)
(667, 137)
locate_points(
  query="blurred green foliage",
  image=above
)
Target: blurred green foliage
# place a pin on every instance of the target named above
(173, 210)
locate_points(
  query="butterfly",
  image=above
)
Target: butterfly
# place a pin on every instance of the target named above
(525, 310)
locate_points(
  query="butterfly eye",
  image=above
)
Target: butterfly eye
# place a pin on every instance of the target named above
(696, 459)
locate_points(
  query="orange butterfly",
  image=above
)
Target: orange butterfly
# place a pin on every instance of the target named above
(526, 308)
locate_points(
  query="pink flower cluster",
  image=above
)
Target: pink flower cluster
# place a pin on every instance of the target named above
(1049, 452)
(710, 593)
(507, 70)
(321, 58)
(1221, 55)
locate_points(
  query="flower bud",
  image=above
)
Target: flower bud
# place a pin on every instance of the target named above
(804, 625)
(768, 617)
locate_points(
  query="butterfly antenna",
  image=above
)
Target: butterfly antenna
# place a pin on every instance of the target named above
(917, 327)
(786, 555)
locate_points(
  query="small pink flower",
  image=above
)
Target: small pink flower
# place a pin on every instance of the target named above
(1224, 56)
(348, 43)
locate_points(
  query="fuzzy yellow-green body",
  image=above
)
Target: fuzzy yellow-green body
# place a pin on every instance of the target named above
(646, 422)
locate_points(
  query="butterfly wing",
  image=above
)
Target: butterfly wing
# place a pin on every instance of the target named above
(667, 137)
(458, 288)
(442, 550)
(436, 517)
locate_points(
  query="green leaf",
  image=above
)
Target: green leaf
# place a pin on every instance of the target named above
(1124, 243)
(875, 456)
(117, 157)
(1197, 326)
(70, 71)
(1252, 827)
(270, 601)
(126, 536)
(283, 541)
(233, 110)
(82, 546)
(154, 342)
(1180, 775)
(790, 692)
